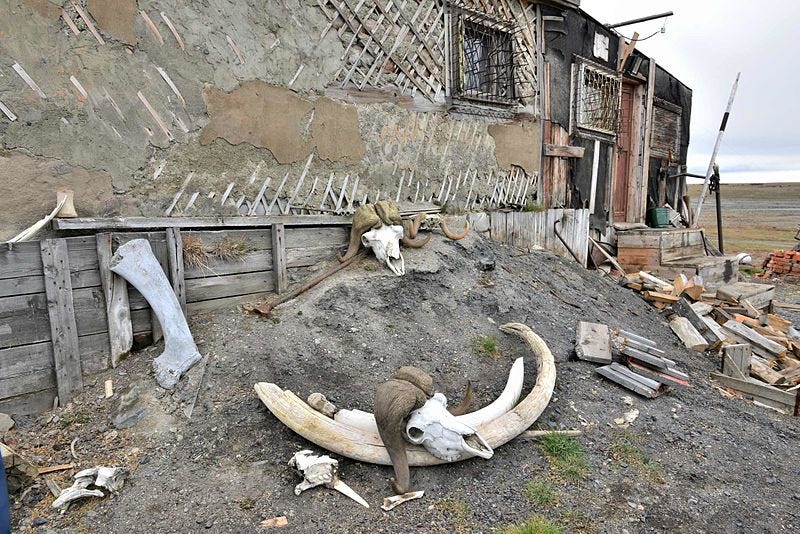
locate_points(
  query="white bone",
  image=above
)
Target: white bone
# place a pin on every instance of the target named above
(396, 500)
(385, 243)
(135, 262)
(505, 402)
(442, 435)
(321, 471)
(111, 478)
(73, 494)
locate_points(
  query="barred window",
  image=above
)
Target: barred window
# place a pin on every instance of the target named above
(597, 99)
(482, 59)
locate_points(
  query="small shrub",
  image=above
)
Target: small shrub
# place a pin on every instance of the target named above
(626, 447)
(566, 456)
(487, 346)
(534, 207)
(535, 525)
(541, 493)
(459, 513)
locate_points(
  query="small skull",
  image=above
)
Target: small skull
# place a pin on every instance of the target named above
(385, 243)
(442, 435)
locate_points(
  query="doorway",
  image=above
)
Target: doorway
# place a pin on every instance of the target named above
(625, 154)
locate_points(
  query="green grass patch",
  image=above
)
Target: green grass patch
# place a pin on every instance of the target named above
(458, 513)
(566, 456)
(542, 493)
(535, 525)
(750, 271)
(534, 207)
(487, 346)
(578, 522)
(626, 448)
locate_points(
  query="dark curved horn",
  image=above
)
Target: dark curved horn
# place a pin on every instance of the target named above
(415, 243)
(451, 235)
(353, 245)
(416, 222)
(462, 408)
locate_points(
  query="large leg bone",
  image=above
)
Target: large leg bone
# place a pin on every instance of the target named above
(135, 262)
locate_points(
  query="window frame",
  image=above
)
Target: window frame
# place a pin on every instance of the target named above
(580, 67)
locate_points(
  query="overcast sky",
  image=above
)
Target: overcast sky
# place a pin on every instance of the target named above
(706, 43)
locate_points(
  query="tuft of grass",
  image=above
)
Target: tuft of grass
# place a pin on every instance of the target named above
(542, 493)
(459, 513)
(566, 456)
(626, 448)
(487, 346)
(579, 522)
(535, 525)
(194, 252)
(230, 250)
(534, 207)
(750, 271)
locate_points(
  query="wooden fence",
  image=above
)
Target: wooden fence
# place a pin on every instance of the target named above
(54, 325)
(530, 230)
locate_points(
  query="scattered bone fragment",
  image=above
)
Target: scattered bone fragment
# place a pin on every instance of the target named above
(394, 501)
(321, 471)
(319, 402)
(110, 478)
(276, 522)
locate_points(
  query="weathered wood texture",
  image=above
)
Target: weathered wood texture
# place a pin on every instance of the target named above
(532, 230)
(593, 342)
(108, 314)
(279, 258)
(61, 312)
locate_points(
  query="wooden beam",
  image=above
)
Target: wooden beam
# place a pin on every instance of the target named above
(176, 269)
(63, 329)
(279, 258)
(593, 343)
(563, 151)
(688, 334)
(627, 49)
(757, 389)
(648, 127)
(156, 223)
(754, 338)
(115, 289)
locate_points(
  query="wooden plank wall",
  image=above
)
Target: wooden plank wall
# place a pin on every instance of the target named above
(28, 377)
(532, 230)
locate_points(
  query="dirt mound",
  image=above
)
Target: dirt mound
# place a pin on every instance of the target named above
(690, 461)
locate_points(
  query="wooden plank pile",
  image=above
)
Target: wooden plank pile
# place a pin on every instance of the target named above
(735, 315)
(648, 373)
(783, 264)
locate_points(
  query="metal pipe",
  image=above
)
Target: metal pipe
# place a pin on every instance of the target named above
(640, 19)
(555, 231)
(689, 174)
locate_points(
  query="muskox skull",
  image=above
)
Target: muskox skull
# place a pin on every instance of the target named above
(385, 243)
(442, 435)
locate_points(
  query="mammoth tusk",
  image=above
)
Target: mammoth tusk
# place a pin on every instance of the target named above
(367, 446)
(455, 237)
(507, 400)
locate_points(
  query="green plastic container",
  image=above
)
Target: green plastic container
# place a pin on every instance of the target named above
(658, 217)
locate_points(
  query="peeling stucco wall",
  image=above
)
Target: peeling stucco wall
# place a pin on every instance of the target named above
(518, 143)
(250, 101)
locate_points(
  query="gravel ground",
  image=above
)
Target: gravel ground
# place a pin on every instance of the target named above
(694, 460)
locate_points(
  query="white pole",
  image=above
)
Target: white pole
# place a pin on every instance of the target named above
(710, 170)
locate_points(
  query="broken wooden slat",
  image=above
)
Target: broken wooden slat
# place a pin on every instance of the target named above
(63, 328)
(659, 297)
(701, 308)
(630, 380)
(688, 334)
(152, 27)
(736, 361)
(7, 112)
(87, 21)
(760, 367)
(592, 342)
(754, 338)
(778, 323)
(28, 80)
(757, 389)
(176, 267)
(759, 295)
(669, 377)
(655, 361)
(155, 223)
(684, 309)
(120, 330)
(279, 258)
(155, 116)
(173, 30)
(563, 151)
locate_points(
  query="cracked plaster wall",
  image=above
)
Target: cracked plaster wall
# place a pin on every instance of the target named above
(233, 121)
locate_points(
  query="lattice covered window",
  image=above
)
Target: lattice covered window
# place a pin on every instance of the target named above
(482, 59)
(597, 99)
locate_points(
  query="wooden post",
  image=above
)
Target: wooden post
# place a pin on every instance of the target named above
(648, 131)
(115, 289)
(58, 286)
(176, 270)
(160, 252)
(736, 361)
(279, 258)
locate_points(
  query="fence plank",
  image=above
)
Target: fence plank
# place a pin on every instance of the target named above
(118, 313)
(63, 328)
(216, 287)
(176, 270)
(279, 257)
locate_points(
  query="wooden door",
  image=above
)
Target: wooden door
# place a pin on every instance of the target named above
(625, 154)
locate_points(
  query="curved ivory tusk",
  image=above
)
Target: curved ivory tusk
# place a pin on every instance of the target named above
(507, 400)
(455, 237)
(368, 447)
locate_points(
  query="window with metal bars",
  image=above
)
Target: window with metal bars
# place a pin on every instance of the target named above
(482, 59)
(597, 99)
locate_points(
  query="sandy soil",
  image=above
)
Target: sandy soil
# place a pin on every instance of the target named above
(756, 218)
(693, 461)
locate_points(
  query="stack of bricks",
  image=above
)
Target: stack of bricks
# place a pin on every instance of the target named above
(783, 264)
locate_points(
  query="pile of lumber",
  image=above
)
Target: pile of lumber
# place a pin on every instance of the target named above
(735, 315)
(631, 361)
(782, 264)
